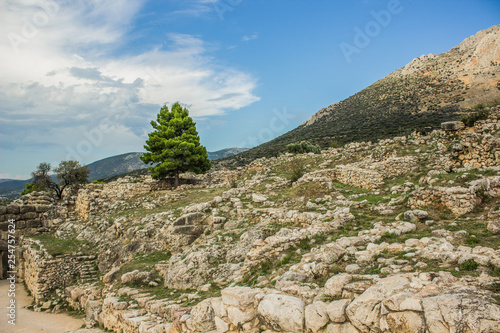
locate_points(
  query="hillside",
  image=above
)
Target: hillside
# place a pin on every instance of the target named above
(419, 96)
(399, 235)
(115, 165)
(225, 153)
(11, 188)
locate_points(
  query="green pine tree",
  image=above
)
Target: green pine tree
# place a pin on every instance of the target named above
(174, 146)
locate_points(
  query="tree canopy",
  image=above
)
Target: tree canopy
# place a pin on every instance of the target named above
(174, 145)
(68, 173)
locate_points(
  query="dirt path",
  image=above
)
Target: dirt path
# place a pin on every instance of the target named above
(28, 321)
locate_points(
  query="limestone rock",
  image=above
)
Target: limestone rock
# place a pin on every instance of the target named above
(336, 310)
(416, 215)
(282, 312)
(341, 328)
(365, 311)
(405, 321)
(334, 286)
(494, 227)
(136, 276)
(202, 317)
(240, 297)
(316, 316)
(463, 309)
(258, 198)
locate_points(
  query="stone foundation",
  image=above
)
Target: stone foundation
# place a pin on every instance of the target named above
(44, 273)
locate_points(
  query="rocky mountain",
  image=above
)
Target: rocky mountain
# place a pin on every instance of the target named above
(421, 95)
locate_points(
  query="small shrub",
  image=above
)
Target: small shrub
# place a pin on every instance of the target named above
(30, 187)
(479, 112)
(304, 244)
(97, 182)
(303, 147)
(469, 265)
(297, 170)
(472, 240)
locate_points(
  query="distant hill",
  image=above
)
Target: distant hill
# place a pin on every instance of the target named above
(108, 168)
(427, 91)
(225, 153)
(11, 188)
(115, 165)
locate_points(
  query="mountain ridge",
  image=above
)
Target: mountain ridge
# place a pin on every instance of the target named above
(419, 96)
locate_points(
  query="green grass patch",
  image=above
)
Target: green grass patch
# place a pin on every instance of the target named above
(469, 265)
(145, 262)
(60, 246)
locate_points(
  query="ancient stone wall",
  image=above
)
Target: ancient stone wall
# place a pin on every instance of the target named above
(399, 303)
(30, 212)
(460, 200)
(478, 146)
(98, 196)
(359, 177)
(44, 273)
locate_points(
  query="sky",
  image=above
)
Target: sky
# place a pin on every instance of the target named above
(82, 80)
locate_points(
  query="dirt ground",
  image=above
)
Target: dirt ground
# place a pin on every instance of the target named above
(28, 321)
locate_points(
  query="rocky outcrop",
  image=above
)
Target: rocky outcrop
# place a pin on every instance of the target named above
(399, 303)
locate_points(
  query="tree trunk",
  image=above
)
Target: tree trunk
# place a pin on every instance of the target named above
(176, 181)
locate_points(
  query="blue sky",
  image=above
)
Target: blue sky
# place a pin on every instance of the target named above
(82, 80)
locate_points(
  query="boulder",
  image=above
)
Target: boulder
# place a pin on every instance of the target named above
(136, 277)
(110, 276)
(316, 316)
(405, 321)
(258, 198)
(334, 285)
(240, 297)
(494, 227)
(461, 310)
(416, 215)
(365, 311)
(282, 312)
(202, 317)
(238, 317)
(336, 310)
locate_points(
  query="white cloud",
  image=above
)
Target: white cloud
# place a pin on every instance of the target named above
(250, 37)
(63, 78)
(18, 177)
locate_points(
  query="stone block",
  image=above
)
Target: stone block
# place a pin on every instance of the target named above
(12, 209)
(29, 216)
(35, 223)
(26, 209)
(4, 226)
(42, 208)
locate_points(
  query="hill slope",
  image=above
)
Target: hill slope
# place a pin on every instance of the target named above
(424, 93)
(115, 165)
